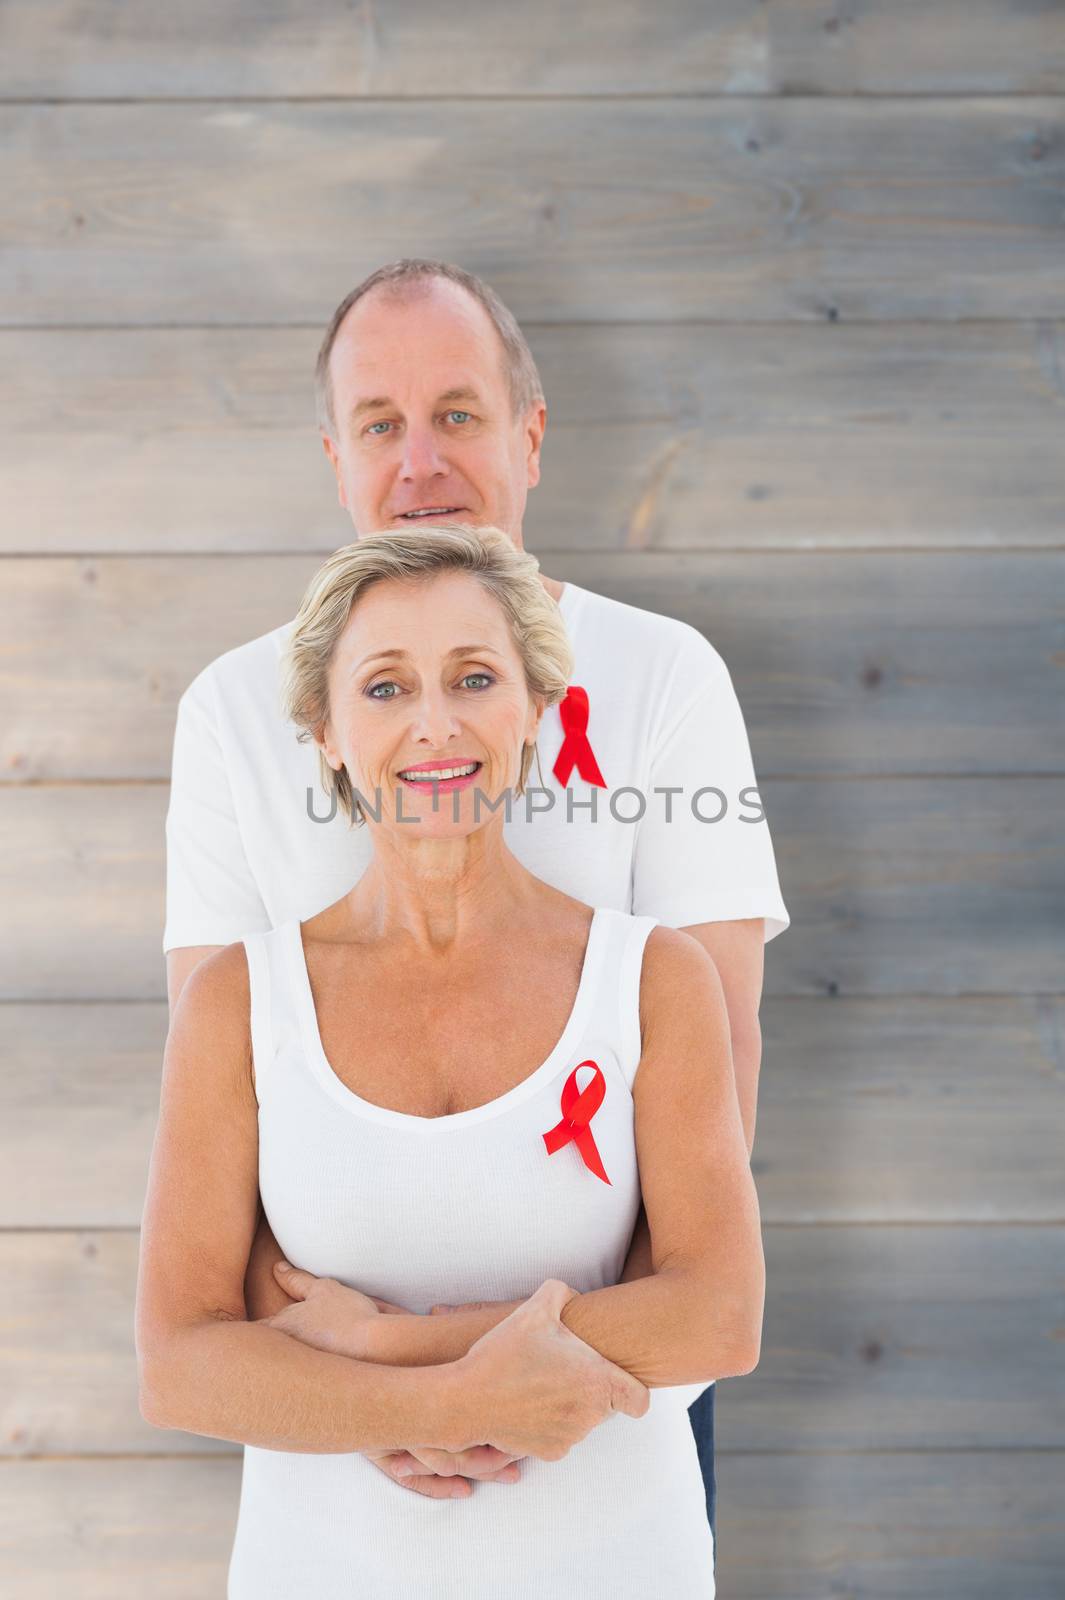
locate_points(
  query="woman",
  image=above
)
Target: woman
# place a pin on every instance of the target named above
(369, 1071)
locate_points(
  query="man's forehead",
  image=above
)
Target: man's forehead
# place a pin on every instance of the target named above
(422, 346)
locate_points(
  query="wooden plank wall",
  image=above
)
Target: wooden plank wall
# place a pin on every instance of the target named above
(793, 274)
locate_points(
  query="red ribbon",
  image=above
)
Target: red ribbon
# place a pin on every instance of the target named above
(579, 1106)
(576, 750)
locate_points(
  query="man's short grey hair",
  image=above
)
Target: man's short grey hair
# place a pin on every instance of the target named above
(408, 276)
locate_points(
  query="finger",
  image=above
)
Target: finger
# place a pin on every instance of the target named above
(552, 1297)
(294, 1280)
(629, 1394)
(388, 1306)
(405, 1465)
(436, 1488)
(428, 1483)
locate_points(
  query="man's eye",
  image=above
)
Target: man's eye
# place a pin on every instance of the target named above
(463, 416)
(374, 425)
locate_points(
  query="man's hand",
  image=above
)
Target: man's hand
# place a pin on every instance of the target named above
(323, 1313)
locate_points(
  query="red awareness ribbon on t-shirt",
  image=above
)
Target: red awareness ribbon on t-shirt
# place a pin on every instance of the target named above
(576, 750)
(579, 1106)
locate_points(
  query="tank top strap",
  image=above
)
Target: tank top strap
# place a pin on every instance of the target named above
(614, 1022)
(274, 1019)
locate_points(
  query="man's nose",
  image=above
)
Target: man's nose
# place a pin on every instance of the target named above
(421, 454)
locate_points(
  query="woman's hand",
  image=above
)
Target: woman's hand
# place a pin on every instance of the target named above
(331, 1316)
(542, 1387)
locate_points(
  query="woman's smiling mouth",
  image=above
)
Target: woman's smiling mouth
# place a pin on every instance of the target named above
(441, 778)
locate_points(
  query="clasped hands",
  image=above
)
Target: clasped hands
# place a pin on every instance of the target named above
(331, 1316)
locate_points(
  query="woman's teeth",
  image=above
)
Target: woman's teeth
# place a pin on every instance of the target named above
(441, 772)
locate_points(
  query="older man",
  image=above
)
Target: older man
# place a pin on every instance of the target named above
(430, 407)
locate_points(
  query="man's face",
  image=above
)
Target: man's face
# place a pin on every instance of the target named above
(423, 416)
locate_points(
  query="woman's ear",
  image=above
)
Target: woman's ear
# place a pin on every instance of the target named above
(323, 738)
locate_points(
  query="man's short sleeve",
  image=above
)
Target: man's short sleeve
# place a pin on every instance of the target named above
(693, 868)
(211, 895)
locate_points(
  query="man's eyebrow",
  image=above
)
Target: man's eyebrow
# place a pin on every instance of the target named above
(378, 403)
(459, 650)
(382, 402)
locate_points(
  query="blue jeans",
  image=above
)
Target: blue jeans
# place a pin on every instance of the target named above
(701, 1417)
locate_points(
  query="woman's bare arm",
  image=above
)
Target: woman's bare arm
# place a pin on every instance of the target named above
(698, 1315)
(532, 1388)
(204, 1368)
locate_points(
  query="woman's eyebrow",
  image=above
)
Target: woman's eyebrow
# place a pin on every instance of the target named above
(459, 650)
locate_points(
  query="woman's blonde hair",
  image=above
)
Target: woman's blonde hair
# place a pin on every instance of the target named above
(416, 555)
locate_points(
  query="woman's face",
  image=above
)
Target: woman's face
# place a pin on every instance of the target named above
(426, 674)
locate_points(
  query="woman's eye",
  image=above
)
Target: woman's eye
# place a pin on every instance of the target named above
(386, 683)
(487, 677)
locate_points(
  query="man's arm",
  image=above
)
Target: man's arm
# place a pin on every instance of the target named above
(738, 952)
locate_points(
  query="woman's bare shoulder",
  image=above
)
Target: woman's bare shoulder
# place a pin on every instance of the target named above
(677, 972)
(212, 1018)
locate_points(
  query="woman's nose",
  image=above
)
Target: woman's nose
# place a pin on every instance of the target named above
(434, 721)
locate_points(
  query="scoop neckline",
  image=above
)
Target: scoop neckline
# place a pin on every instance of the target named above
(354, 1103)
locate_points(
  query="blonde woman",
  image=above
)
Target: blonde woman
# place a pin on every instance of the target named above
(454, 1084)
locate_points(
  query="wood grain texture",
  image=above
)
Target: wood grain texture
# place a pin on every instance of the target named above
(679, 437)
(789, 210)
(118, 1530)
(326, 47)
(887, 1338)
(923, 1526)
(790, 1527)
(860, 664)
(871, 1111)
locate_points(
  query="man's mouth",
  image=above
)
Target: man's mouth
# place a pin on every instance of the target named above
(429, 511)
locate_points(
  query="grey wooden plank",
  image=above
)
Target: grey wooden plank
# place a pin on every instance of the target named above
(927, 1526)
(659, 437)
(927, 1110)
(789, 209)
(79, 1102)
(875, 1338)
(118, 1530)
(102, 48)
(871, 1111)
(895, 886)
(869, 663)
(877, 1527)
(921, 886)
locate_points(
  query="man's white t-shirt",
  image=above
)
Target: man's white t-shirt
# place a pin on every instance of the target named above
(245, 852)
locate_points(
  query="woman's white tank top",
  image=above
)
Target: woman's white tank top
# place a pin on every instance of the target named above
(476, 1205)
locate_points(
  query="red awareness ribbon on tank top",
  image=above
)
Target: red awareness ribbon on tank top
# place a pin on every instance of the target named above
(576, 750)
(579, 1106)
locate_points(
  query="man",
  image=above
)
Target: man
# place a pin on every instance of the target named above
(430, 407)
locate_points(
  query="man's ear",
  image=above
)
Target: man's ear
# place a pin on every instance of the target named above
(535, 427)
(334, 461)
